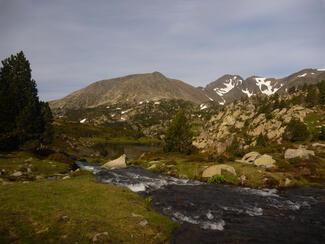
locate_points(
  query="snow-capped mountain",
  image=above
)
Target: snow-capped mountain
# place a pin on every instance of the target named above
(155, 86)
(231, 87)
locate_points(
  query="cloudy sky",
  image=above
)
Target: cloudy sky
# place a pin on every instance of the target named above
(71, 43)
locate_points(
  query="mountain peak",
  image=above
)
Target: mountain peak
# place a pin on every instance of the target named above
(158, 74)
(131, 89)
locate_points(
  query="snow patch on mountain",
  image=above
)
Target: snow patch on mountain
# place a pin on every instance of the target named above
(247, 92)
(203, 106)
(223, 102)
(228, 85)
(321, 69)
(261, 81)
(209, 98)
(83, 121)
(303, 75)
(126, 111)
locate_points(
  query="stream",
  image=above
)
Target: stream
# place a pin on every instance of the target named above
(226, 214)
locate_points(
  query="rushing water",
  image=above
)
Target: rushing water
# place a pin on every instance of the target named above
(226, 214)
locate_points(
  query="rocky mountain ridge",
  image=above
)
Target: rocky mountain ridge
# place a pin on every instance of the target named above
(135, 89)
(243, 122)
(155, 86)
(232, 87)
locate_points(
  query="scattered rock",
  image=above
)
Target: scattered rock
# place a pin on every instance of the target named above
(17, 174)
(137, 215)
(249, 158)
(265, 161)
(64, 218)
(298, 153)
(242, 179)
(287, 182)
(46, 229)
(152, 167)
(258, 160)
(143, 222)
(100, 237)
(217, 170)
(153, 162)
(116, 163)
(318, 144)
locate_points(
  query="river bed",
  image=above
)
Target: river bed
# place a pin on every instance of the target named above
(226, 214)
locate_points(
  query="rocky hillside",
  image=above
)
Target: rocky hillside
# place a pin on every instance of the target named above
(133, 89)
(149, 117)
(232, 87)
(247, 122)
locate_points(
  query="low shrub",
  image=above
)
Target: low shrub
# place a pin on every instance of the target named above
(217, 179)
(296, 131)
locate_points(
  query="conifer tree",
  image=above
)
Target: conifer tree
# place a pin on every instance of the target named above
(321, 89)
(296, 131)
(179, 135)
(312, 96)
(21, 117)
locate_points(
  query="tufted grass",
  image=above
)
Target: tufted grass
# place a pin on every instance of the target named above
(74, 211)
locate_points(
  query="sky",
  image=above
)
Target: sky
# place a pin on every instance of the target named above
(72, 43)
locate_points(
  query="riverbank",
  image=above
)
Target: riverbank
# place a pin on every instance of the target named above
(78, 210)
(222, 213)
(285, 173)
(42, 200)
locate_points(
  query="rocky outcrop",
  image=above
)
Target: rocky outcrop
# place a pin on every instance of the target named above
(265, 161)
(116, 163)
(217, 170)
(250, 158)
(320, 145)
(298, 153)
(244, 121)
(257, 159)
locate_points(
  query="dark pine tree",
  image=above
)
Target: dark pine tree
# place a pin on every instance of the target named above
(321, 89)
(312, 96)
(179, 135)
(21, 117)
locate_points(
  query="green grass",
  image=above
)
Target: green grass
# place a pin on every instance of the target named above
(217, 179)
(74, 210)
(20, 161)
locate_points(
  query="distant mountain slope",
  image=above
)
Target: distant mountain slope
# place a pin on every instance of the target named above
(155, 86)
(133, 89)
(231, 87)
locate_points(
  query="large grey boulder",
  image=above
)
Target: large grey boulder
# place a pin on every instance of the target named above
(217, 170)
(17, 174)
(116, 163)
(257, 159)
(298, 153)
(265, 161)
(249, 158)
(318, 145)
